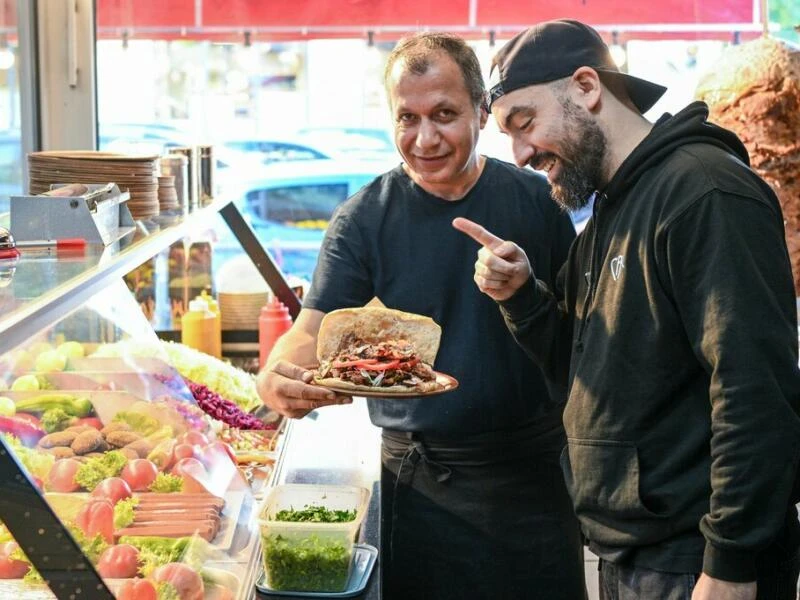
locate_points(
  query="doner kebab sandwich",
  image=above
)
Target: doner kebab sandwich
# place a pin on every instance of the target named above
(377, 349)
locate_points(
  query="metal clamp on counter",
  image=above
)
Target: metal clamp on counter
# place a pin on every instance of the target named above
(96, 213)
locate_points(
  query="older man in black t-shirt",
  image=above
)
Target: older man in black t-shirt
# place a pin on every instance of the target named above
(473, 501)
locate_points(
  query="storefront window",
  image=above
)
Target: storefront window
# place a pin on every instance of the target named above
(268, 100)
(277, 83)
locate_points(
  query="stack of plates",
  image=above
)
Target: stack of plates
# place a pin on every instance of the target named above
(137, 174)
(241, 311)
(167, 195)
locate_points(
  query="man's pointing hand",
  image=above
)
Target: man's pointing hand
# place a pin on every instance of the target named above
(502, 266)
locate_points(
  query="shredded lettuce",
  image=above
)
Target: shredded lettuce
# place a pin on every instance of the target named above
(165, 483)
(167, 591)
(56, 419)
(95, 470)
(123, 512)
(36, 462)
(18, 554)
(32, 576)
(5, 534)
(92, 547)
(156, 551)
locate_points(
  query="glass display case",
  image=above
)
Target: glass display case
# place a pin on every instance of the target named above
(116, 483)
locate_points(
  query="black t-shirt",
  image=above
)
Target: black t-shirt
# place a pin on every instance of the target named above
(395, 241)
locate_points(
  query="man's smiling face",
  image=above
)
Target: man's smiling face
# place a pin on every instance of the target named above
(436, 124)
(551, 133)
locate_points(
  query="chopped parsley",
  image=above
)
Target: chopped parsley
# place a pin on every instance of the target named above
(309, 564)
(316, 514)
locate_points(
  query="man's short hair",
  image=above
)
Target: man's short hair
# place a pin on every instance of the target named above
(418, 50)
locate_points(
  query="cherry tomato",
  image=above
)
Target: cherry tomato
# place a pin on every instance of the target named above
(118, 562)
(194, 438)
(10, 568)
(97, 516)
(112, 488)
(139, 473)
(137, 589)
(61, 477)
(184, 450)
(183, 578)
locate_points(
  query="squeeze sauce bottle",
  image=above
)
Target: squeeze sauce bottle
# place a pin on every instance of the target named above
(198, 327)
(213, 306)
(273, 322)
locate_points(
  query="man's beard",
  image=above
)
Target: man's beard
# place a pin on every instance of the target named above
(581, 159)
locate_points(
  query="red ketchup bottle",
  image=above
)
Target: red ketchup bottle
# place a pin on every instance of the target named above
(273, 322)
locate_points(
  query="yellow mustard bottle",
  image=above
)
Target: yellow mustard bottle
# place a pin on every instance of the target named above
(213, 306)
(198, 327)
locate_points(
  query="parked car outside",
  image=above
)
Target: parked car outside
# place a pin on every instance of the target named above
(355, 143)
(157, 139)
(289, 207)
(276, 149)
(140, 138)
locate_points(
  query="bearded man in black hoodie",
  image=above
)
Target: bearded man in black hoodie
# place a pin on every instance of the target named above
(673, 322)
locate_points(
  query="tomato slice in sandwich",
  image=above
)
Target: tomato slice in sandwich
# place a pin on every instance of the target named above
(368, 364)
(373, 364)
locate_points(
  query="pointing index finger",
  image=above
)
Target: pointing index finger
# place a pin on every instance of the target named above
(477, 232)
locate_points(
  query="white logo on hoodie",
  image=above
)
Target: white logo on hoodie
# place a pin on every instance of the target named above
(617, 264)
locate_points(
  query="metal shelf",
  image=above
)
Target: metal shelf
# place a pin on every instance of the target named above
(48, 284)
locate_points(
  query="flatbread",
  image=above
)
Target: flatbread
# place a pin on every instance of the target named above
(373, 325)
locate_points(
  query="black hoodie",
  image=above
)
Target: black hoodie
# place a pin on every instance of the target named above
(675, 326)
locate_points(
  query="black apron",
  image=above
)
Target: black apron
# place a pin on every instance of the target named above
(485, 517)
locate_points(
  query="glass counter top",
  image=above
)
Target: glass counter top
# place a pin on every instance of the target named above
(43, 283)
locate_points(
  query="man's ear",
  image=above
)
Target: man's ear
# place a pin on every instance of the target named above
(484, 114)
(586, 87)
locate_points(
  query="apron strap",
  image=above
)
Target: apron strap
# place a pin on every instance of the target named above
(415, 452)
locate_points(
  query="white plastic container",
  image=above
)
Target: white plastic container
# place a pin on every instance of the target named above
(310, 556)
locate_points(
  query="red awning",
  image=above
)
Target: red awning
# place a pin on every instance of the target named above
(630, 15)
(268, 20)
